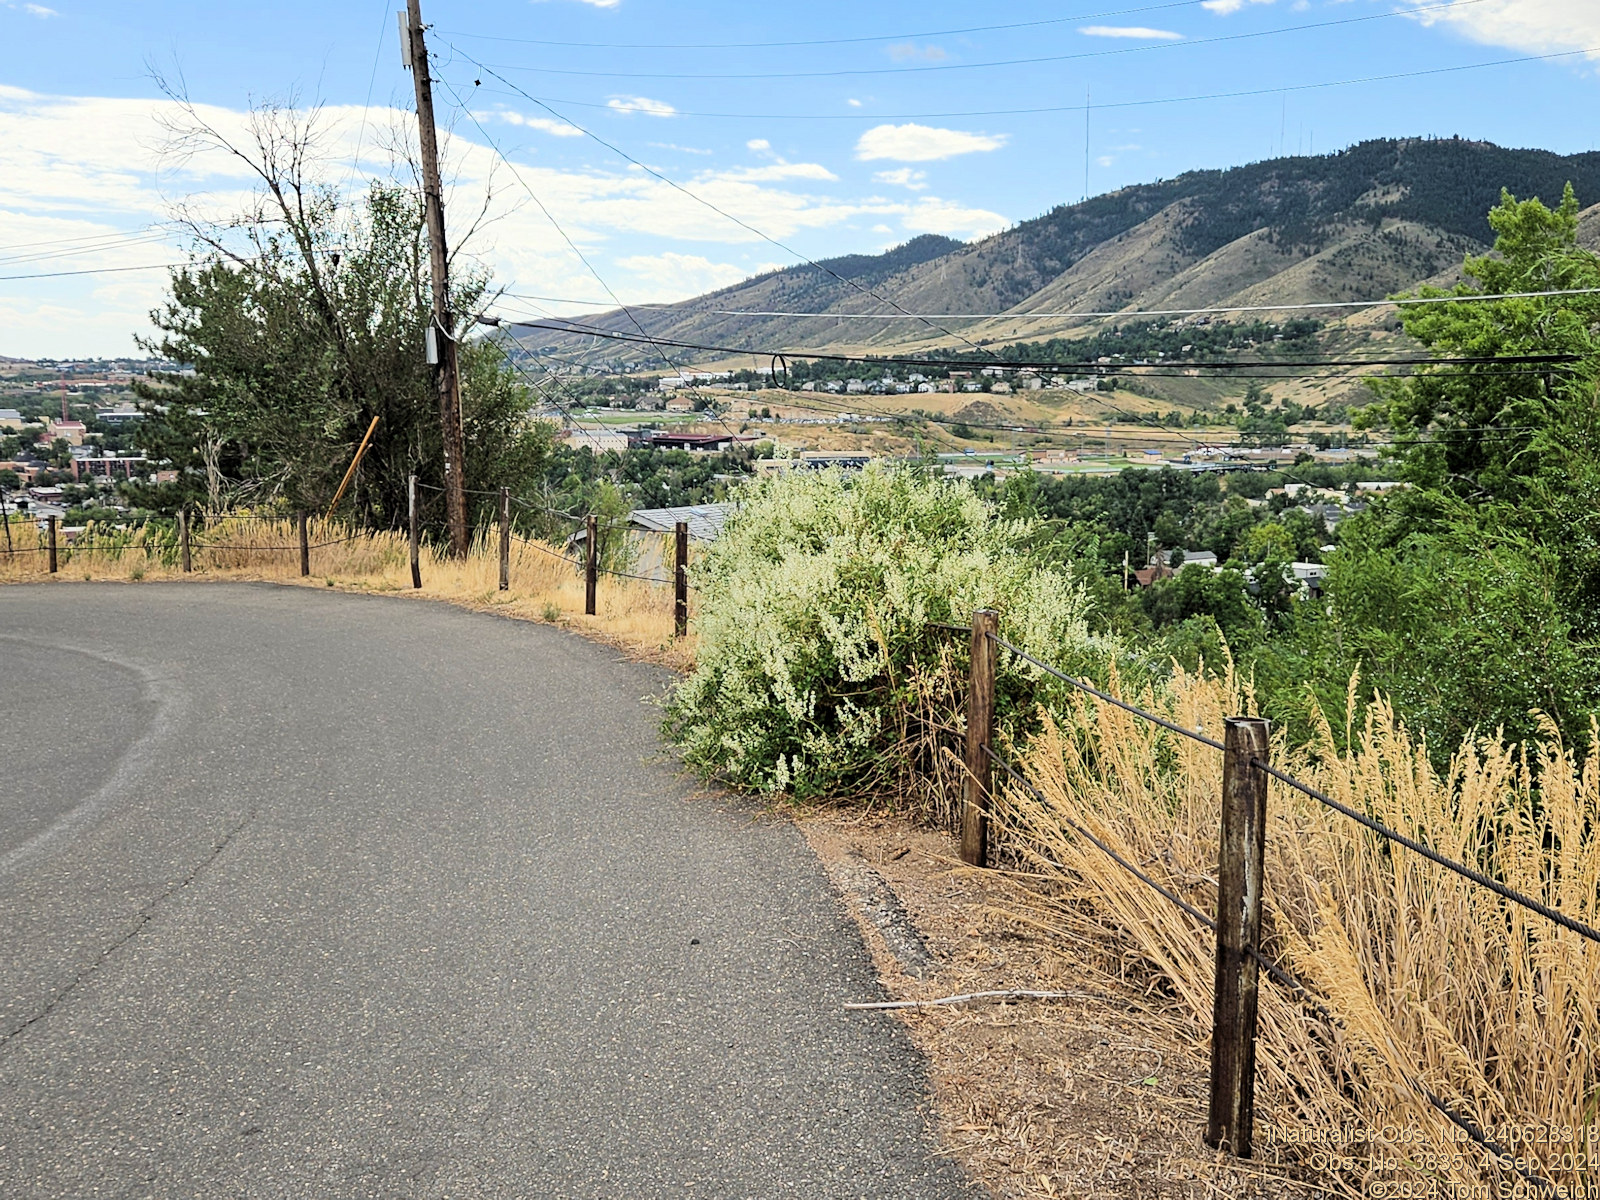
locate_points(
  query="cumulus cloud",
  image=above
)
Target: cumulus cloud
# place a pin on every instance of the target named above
(758, 144)
(779, 170)
(641, 104)
(1143, 33)
(33, 10)
(1535, 26)
(87, 167)
(922, 143)
(903, 177)
(543, 124)
(853, 102)
(932, 215)
(672, 276)
(1224, 7)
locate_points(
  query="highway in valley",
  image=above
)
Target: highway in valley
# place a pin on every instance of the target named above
(305, 894)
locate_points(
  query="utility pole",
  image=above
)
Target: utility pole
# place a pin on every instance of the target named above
(441, 336)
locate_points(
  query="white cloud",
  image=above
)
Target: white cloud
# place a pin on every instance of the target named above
(853, 102)
(1224, 7)
(922, 143)
(33, 10)
(680, 149)
(673, 276)
(1535, 26)
(776, 171)
(641, 104)
(89, 167)
(1143, 33)
(544, 124)
(911, 52)
(903, 177)
(1105, 160)
(932, 215)
(758, 144)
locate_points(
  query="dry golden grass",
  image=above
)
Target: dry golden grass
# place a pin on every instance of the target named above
(632, 614)
(1433, 982)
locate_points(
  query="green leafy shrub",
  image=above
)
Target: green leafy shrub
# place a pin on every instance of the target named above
(814, 606)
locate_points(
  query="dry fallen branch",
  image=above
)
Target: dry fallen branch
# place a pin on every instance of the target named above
(1014, 994)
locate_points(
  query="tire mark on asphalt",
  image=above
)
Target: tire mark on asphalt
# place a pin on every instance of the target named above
(170, 701)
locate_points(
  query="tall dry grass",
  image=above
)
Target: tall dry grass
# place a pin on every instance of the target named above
(544, 586)
(1432, 982)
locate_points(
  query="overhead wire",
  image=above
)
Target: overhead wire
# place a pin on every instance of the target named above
(697, 198)
(549, 216)
(844, 41)
(853, 72)
(683, 308)
(868, 115)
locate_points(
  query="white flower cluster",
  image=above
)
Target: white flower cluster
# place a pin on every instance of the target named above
(814, 604)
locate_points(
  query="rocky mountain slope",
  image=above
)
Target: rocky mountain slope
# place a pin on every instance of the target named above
(1366, 221)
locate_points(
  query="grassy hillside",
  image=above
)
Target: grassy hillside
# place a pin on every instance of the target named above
(1359, 223)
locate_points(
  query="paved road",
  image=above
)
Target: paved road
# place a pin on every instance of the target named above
(310, 895)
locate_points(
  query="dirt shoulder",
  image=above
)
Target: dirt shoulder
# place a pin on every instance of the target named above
(1096, 1095)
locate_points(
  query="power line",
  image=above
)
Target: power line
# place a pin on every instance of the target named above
(880, 37)
(844, 72)
(1542, 360)
(549, 216)
(96, 271)
(84, 246)
(745, 225)
(1031, 316)
(619, 106)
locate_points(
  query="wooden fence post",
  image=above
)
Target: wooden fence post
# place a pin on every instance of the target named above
(975, 787)
(680, 578)
(505, 539)
(416, 539)
(52, 524)
(305, 543)
(591, 566)
(183, 540)
(1240, 859)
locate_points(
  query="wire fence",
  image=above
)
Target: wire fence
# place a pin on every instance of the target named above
(1501, 1155)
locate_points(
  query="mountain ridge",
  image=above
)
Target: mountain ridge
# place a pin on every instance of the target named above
(1360, 223)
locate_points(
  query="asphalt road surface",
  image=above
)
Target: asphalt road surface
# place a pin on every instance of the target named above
(306, 895)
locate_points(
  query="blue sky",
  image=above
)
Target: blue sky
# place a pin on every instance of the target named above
(832, 127)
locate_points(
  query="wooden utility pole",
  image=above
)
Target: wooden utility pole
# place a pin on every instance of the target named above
(416, 538)
(305, 543)
(976, 784)
(1240, 867)
(680, 579)
(505, 539)
(52, 523)
(183, 540)
(591, 565)
(446, 376)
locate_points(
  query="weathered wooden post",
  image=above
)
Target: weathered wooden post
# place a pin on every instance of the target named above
(183, 541)
(52, 523)
(591, 566)
(680, 578)
(305, 543)
(977, 779)
(416, 539)
(505, 539)
(1240, 867)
